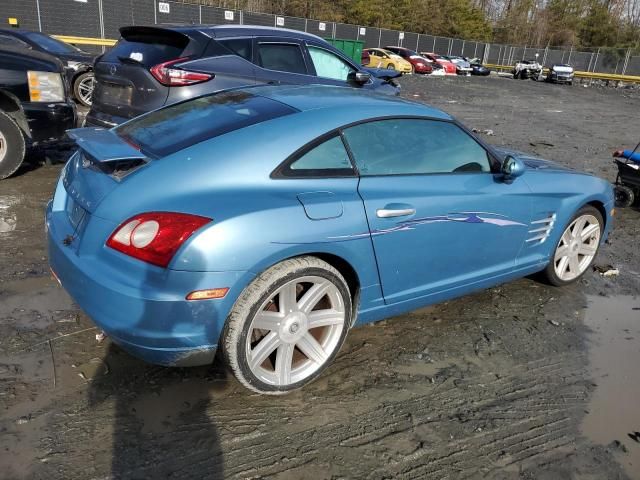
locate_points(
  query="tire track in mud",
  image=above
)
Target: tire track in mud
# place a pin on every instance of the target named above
(367, 418)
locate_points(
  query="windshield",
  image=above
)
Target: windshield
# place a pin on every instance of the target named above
(184, 124)
(50, 44)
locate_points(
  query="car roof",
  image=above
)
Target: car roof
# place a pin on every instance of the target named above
(240, 31)
(13, 31)
(320, 97)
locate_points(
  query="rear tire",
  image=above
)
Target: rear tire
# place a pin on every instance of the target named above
(270, 342)
(12, 146)
(625, 196)
(391, 66)
(577, 248)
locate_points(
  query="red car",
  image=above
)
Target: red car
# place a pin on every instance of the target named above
(449, 67)
(419, 64)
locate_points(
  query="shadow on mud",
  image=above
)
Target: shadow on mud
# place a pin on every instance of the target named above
(160, 424)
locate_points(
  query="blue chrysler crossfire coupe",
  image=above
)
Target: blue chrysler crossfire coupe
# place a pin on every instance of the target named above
(268, 221)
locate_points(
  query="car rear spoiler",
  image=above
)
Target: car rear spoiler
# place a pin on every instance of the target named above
(104, 145)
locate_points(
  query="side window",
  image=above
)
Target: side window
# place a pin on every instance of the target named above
(414, 146)
(283, 57)
(239, 46)
(9, 41)
(329, 65)
(326, 159)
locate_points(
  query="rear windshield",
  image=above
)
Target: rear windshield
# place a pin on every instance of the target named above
(182, 125)
(148, 46)
(147, 54)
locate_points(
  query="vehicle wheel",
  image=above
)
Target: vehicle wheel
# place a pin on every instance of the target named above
(577, 247)
(625, 196)
(12, 146)
(287, 325)
(391, 66)
(83, 88)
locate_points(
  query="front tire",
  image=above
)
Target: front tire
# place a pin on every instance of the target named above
(391, 66)
(12, 146)
(83, 87)
(577, 247)
(287, 325)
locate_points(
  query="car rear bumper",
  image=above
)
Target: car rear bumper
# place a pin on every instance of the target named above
(49, 121)
(140, 307)
(97, 119)
(422, 68)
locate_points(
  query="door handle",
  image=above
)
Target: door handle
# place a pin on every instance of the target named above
(389, 213)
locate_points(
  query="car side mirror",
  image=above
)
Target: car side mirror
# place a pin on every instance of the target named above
(512, 167)
(359, 77)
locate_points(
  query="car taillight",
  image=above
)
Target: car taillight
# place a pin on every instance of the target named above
(176, 77)
(155, 237)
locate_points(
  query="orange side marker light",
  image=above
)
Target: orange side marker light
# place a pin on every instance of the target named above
(207, 294)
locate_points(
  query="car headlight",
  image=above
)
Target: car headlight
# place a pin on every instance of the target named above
(73, 65)
(45, 86)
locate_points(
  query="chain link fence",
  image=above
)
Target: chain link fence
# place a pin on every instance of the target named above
(103, 18)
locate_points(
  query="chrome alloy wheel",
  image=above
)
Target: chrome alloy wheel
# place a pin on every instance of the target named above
(3, 146)
(295, 331)
(85, 89)
(577, 247)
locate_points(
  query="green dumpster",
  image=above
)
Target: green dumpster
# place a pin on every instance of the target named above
(351, 48)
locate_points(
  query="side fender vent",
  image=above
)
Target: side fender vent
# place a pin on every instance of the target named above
(541, 229)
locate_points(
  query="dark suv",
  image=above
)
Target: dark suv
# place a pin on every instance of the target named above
(33, 104)
(153, 66)
(78, 64)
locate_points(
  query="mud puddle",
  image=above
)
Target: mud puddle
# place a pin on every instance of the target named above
(613, 416)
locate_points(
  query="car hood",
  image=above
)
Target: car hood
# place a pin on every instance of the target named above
(562, 69)
(82, 57)
(532, 162)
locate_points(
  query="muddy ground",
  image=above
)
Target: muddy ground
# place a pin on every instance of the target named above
(520, 381)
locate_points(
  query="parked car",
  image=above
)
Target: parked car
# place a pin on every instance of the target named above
(364, 58)
(288, 214)
(525, 69)
(419, 64)
(78, 64)
(560, 73)
(33, 104)
(436, 68)
(381, 58)
(449, 67)
(154, 66)
(477, 68)
(463, 67)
